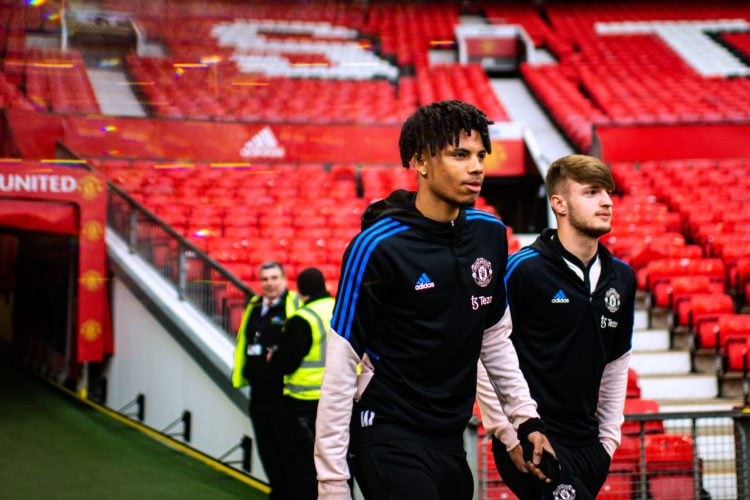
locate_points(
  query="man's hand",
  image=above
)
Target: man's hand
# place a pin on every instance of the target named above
(540, 443)
(516, 456)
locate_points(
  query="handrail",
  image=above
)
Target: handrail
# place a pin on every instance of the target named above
(198, 278)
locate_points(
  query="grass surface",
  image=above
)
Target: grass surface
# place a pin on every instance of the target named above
(54, 447)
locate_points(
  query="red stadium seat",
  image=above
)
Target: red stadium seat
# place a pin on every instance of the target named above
(307, 255)
(661, 270)
(735, 355)
(641, 406)
(742, 279)
(622, 479)
(308, 220)
(336, 248)
(666, 246)
(690, 310)
(729, 326)
(322, 234)
(225, 251)
(706, 331)
(633, 388)
(664, 292)
(670, 466)
(618, 486)
(669, 452)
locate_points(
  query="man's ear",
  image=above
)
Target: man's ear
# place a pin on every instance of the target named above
(558, 205)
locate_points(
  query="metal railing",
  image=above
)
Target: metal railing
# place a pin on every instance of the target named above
(689, 455)
(198, 279)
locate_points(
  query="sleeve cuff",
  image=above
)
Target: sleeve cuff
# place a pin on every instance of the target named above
(529, 426)
(334, 490)
(609, 446)
(508, 437)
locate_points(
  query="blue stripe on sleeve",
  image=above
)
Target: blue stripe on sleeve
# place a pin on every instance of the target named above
(354, 269)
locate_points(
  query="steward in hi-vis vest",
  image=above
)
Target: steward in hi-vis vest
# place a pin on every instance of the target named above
(304, 382)
(260, 334)
(301, 357)
(290, 301)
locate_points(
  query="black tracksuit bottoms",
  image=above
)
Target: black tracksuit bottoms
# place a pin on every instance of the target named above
(584, 468)
(269, 419)
(390, 462)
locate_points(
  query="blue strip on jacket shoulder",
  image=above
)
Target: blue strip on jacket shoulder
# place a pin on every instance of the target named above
(474, 214)
(517, 258)
(354, 269)
(622, 262)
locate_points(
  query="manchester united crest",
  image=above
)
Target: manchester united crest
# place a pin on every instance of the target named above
(91, 330)
(612, 300)
(481, 271)
(92, 280)
(93, 230)
(564, 492)
(90, 187)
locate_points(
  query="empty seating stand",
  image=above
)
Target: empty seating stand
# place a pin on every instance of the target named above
(672, 468)
(298, 214)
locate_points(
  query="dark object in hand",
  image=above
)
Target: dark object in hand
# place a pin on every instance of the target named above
(549, 465)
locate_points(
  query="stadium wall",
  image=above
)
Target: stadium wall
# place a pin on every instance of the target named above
(176, 359)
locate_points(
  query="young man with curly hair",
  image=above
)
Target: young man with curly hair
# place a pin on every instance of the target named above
(421, 299)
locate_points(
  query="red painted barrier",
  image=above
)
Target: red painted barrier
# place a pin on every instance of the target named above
(97, 136)
(613, 143)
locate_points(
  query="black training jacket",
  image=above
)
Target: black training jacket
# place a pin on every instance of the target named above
(416, 295)
(564, 335)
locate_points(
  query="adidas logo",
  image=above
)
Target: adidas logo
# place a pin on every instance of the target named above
(366, 418)
(263, 144)
(424, 283)
(560, 298)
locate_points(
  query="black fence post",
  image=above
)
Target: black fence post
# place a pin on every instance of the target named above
(186, 419)
(742, 454)
(247, 453)
(140, 403)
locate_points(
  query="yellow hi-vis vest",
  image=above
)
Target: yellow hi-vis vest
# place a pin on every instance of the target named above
(304, 383)
(240, 348)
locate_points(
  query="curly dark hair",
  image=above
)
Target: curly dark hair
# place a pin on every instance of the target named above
(439, 124)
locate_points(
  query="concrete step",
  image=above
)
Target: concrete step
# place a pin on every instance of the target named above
(660, 362)
(670, 387)
(700, 405)
(704, 361)
(640, 320)
(651, 340)
(732, 385)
